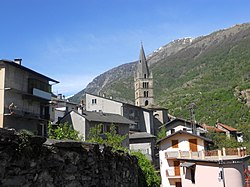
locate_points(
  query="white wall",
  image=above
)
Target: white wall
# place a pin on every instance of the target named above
(166, 146)
(103, 104)
(144, 148)
(78, 123)
(147, 122)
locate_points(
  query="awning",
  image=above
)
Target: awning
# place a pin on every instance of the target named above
(187, 164)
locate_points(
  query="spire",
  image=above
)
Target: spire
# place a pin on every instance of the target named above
(142, 67)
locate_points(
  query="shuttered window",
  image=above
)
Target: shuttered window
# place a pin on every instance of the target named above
(175, 143)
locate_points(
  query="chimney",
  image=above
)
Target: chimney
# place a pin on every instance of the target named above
(18, 61)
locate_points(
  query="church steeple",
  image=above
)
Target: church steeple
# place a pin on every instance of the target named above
(143, 82)
(142, 67)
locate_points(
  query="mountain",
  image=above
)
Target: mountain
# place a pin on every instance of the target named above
(212, 71)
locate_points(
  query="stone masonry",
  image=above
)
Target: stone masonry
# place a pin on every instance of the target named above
(34, 161)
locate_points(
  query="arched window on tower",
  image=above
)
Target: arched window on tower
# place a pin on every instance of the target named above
(146, 103)
(145, 93)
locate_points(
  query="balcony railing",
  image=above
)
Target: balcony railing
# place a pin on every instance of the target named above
(224, 153)
(170, 172)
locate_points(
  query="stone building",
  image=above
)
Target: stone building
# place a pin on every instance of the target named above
(24, 97)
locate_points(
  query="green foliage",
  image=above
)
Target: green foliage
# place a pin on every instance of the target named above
(221, 140)
(115, 140)
(162, 133)
(24, 146)
(152, 178)
(63, 131)
(245, 129)
(110, 138)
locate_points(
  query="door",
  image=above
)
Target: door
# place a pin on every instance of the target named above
(178, 184)
(193, 145)
(177, 168)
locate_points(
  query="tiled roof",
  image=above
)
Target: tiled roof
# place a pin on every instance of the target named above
(212, 128)
(227, 127)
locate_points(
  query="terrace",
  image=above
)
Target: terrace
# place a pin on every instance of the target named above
(220, 154)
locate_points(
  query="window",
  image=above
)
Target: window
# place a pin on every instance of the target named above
(172, 131)
(145, 85)
(192, 175)
(175, 144)
(41, 85)
(146, 103)
(94, 101)
(145, 93)
(145, 76)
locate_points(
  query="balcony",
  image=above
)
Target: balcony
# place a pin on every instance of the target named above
(224, 153)
(173, 173)
(41, 94)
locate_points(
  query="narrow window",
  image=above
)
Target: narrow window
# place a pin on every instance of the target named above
(146, 103)
(145, 76)
(175, 144)
(193, 175)
(93, 101)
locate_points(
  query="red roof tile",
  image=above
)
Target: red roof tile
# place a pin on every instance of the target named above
(227, 127)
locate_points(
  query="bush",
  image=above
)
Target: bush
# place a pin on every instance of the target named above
(63, 131)
(152, 178)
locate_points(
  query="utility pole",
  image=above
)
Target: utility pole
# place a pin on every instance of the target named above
(191, 107)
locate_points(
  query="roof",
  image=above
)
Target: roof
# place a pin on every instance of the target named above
(140, 135)
(184, 132)
(142, 66)
(212, 128)
(227, 127)
(12, 63)
(178, 119)
(104, 117)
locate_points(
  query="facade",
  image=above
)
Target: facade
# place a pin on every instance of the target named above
(180, 143)
(144, 143)
(143, 82)
(178, 124)
(59, 107)
(227, 171)
(143, 121)
(143, 118)
(82, 122)
(24, 97)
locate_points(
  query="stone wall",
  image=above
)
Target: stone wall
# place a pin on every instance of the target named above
(34, 161)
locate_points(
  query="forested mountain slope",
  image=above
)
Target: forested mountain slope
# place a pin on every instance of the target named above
(211, 71)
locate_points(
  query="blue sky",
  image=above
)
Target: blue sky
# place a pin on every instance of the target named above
(74, 41)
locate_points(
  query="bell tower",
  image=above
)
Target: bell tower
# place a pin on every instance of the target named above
(143, 82)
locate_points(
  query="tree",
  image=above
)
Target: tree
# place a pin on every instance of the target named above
(162, 133)
(63, 131)
(110, 138)
(115, 140)
(221, 140)
(152, 178)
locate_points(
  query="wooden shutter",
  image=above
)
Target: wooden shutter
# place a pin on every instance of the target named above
(175, 144)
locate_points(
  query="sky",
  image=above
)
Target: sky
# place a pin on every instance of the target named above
(73, 41)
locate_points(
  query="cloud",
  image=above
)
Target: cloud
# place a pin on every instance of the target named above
(71, 84)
